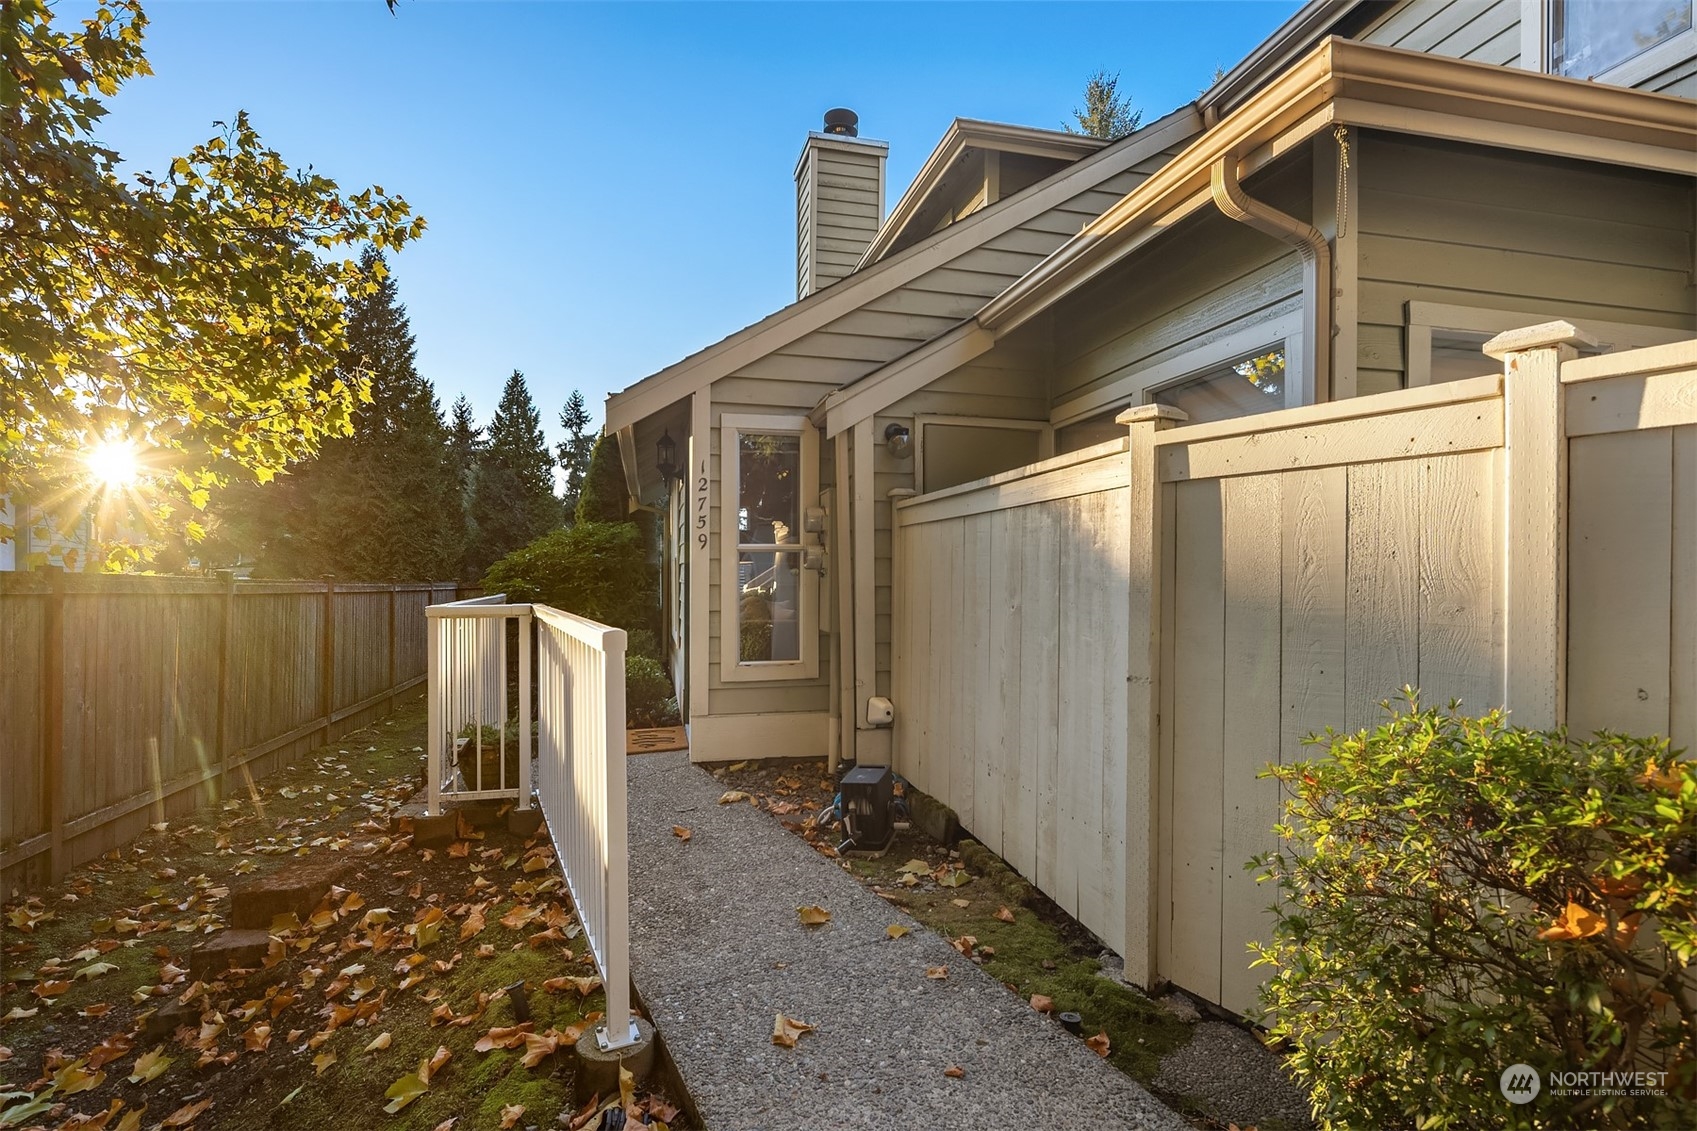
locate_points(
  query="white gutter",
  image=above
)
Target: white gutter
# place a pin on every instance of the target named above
(1313, 369)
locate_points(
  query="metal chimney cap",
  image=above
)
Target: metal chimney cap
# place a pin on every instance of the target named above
(843, 122)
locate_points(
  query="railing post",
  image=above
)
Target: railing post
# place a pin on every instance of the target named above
(394, 645)
(53, 719)
(526, 625)
(1143, 688)
(434, 690)
(618, 1029)
(1534, 501)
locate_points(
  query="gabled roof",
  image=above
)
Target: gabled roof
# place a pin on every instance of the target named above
(1340, 82)
(700, 369)
(962, 135)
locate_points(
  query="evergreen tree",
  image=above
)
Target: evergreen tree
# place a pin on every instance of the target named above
(1106, 114)
(383, 503)
(465, 443)
(603, 497)
(574, 451)
(513, 497)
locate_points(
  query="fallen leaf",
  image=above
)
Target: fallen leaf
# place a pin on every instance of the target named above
(407, 1089)
(732, 796)
(954, 1072)
(915, 868)
(1670, 779)
(954, 879)
(936, 973)
(1042, 1003)
(1004, 914)
(963, 904)
(502, 1037)
(322, 1061)
(895, 930)
(539, 1046)
(436, 1061)
(378, 1043)
(812, 915)
(94, 970)
(187, 1114)
(787, 1030)
(447, 1124)
(75, 1077)
(510, 1115)
(1098, 1044)
(682, 833)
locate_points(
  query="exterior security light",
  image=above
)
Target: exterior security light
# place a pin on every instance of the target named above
(666, 457)
(899, 440)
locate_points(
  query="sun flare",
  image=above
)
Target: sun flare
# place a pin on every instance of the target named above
(113, 463)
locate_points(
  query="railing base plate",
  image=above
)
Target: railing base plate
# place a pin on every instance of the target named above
(605, 1042)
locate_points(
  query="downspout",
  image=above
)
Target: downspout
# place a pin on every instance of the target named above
(1316, 359)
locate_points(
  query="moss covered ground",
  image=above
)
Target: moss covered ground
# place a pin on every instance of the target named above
(409, 955)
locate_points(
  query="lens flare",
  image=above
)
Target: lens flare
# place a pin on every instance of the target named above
(113, 463)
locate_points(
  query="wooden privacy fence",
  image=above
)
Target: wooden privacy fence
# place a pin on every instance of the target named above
(1097, 655)
(127, 699)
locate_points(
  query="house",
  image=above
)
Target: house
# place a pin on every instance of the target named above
(1330, 233)
(34, 538)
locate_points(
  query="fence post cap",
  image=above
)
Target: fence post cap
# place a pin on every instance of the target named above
(1143, 412)
(1545, 335)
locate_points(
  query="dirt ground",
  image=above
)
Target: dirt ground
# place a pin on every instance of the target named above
(1016, 933)
(392, 1005)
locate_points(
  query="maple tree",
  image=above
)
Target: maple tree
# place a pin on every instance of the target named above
(195, 315)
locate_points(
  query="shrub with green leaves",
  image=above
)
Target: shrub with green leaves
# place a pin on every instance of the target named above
(598, 570)
(648, 692)
(1458, 896)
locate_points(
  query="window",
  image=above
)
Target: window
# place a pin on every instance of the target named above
(1087, 433)
(1589, 38)
(767, 604)
(958, 449)
(1242, 387)
(1445, 341)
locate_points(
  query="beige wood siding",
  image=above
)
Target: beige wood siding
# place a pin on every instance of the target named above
(839, 202)
(1485, 31)
(1006, 384)
(1205, 279)
(1469, 227)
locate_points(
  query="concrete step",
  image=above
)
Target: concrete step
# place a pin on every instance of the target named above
(295, 888)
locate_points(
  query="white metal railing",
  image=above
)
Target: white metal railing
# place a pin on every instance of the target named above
(470, 712)
(581, 784)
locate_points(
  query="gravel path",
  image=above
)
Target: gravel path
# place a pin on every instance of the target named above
(717, 950)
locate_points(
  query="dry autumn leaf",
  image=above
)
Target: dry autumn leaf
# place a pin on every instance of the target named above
(187, 1114)
(1669, 780)
(812, 915)
(787, 1030)
(895, 930)
(936, 973)
(510, 1115)
(539, 1046)
(682, 833)
(963, 904)
(732, 796)
(321, 1062)
(954, 1072)
(1098, 1044)
(1004, 914)
(1042, 1003)
(508, 1037)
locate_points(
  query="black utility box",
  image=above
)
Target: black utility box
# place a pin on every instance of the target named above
(869, 808)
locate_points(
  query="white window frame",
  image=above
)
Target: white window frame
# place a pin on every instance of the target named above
(1535, 25)
(1045, 435)
(1190, 359)
(1421, 318)
(732, 667)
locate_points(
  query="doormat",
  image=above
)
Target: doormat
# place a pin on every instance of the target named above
(652, 740)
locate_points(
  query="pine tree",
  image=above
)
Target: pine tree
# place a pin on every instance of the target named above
(513, 498)
(1106, 114)
(603, 497)
(383, 503)
(574, 451)
(465, 443)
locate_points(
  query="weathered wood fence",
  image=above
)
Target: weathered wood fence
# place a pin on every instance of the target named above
(1096, 656)
(129, 699)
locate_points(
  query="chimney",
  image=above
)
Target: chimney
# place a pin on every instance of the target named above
(839, 201)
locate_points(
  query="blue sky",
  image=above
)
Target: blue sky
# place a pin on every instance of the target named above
(608, 186)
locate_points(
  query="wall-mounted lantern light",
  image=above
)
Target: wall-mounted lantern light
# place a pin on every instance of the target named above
(899, 440)
(666, 458)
